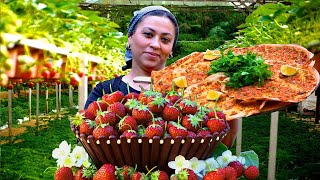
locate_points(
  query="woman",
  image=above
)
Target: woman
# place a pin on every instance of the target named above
(152, 36)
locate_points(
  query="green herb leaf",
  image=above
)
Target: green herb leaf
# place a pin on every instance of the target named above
(243, 70)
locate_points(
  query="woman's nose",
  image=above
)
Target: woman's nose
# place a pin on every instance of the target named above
(155, 43)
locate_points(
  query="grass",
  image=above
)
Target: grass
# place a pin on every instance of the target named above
(297, 156)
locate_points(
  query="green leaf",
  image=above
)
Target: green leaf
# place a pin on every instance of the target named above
(219, 150)
(265, 18)
(251, 158)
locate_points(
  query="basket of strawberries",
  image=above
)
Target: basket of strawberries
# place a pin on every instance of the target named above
(147, 129)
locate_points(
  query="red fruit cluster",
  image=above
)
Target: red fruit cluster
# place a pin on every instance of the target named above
(233, 171)
(65, 173)
(151, 114)
(110, 172)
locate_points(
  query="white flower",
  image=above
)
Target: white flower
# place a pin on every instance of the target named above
(80, 155)
(242, 160)
(197, 165)
(179, 163)
(86, 163)
(63, 150)
(41, 6)
(226, 158)
(66, 161)
(211, 164)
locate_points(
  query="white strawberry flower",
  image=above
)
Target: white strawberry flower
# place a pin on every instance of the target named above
(197, 165)
(211, 164)
(226, 158)
(179, 163)
(66, 161)
(242, 160)
(86, 163)
(63, 150)
(80, 155)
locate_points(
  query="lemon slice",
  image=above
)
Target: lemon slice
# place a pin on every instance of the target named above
(288, 70)
(211, 55)
(213, 95)
(180, 81)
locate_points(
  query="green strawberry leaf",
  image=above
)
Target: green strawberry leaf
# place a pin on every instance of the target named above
(219, 150)
(251, 158)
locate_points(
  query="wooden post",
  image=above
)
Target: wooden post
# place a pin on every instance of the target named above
(47, 100)
(60, 97)
(70, 97)
(37, 108)
(57, 100)
(30, 103)
(273, 145)
(83, 87)
(10, 114)
(239, 137)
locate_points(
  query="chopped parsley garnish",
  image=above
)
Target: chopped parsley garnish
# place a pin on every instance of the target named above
(243, 70)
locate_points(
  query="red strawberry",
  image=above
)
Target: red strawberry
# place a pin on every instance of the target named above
(157, 104)
(130, 104)
(237, 166)
(30, 84)
(89, 115)
(129, 134)
(125, 172)
(188, 107)
(252, 172)
(215, 175)
(159, 121)
(203, 133)
(127, 123)
(103, 130)
(142, 114)
(81, 175)
(146, 96)
(154, 130)
(63, 173)
(215, 125)
(192, 134)
(75, 80)
(107, 171)
(191, 122)
(118, 108)
(97, 105)
(46, 74)
(132, 95)
(106, 117)
(187, 174)
(52, 72)
(171, 113)
(173, 96)
(116, 96)
(86, 127)
(138, 176)
(48, 65)
(176, 131)
(80, 74)
(159, 175)
(216, 115)
(230, 173)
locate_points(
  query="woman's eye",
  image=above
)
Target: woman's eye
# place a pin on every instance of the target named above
(147, 34)
(167, 40)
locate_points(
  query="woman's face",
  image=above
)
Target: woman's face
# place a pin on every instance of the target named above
(152, 42)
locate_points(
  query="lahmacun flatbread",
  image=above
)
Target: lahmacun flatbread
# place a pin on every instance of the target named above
(193, 67)
(248, 100)
(279, 88)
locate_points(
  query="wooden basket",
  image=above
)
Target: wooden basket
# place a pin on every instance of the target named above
(144, 152)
